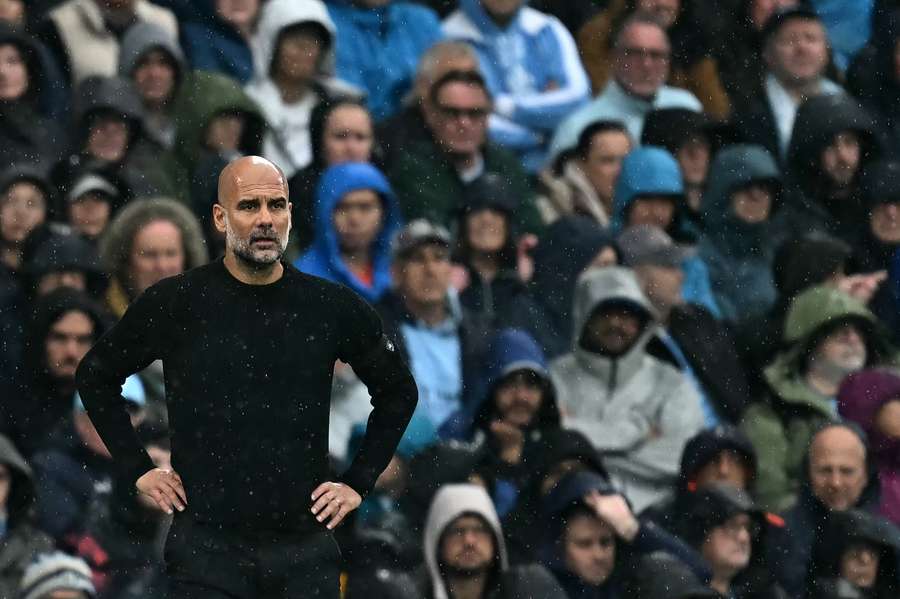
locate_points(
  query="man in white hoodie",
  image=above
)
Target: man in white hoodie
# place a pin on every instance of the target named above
(294, 66)
(465, 554)
(637, 410)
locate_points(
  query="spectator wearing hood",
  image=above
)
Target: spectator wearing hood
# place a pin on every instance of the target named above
(583, 183)
(90, 204)
(465, 552)
(29, 133)
(62, 328)
(569, 246)
(21, 540)
(85, 35)
(833, 142)
(152, 59)
(515, 408)
(636, 409)
(431, 173)
(650, 191)
(689, 337)
(828, 335)
(146, 242)
(792, 73)
(738, 208)
(378, 46)
(219, 40)
(878, 249)
(693, 66)
(54, 574)
(720, 455)
(109, 135)
(486, 247)
(838, 475)
(871, 399)
(340, 130)
(729, 532)
(63, 259)
(216, 122)
(294, 71)
(641, 58)
(443, 57)
(531, 66)
(873, 77)
(443, 343)
(26, 198)
(688, 136)
(592, 538)
(357, 216)
(855, 556)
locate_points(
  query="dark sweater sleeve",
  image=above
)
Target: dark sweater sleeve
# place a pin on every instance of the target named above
(129, 347)
(379, 365)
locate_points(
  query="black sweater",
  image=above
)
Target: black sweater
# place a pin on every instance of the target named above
(248, 372)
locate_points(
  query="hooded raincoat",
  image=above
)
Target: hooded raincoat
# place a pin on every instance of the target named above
(637, 410)
(324, 256)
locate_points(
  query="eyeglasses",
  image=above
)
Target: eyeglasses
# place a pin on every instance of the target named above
(456, 113)
(653, 55)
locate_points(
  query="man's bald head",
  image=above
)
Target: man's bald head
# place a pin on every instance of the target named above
(253, 211)
(250, 176)
(837, 467)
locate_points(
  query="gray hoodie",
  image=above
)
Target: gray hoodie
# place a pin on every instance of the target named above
(637, 410)
(451, 502)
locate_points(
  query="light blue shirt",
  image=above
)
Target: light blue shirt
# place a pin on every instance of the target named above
(435, 359)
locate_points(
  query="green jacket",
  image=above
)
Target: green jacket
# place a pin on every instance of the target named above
(782, 425)
(428, 187)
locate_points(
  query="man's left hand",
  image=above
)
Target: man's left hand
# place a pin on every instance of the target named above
(334, 501)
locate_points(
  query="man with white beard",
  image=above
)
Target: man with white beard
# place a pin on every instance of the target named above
(827, 335)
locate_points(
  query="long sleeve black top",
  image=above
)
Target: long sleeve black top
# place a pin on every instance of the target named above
(248, 372)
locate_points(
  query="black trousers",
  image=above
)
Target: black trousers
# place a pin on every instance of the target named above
(209, 562)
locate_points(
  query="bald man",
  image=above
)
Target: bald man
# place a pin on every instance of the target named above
(249, 344)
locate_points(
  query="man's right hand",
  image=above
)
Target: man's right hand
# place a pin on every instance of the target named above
(165, 488)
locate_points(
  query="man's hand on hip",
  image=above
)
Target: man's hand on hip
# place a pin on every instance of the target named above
(335, 501)
(164, 487)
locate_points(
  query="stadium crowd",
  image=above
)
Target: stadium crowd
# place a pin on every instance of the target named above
(642, 258)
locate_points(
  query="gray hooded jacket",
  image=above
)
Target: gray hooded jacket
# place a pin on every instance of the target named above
(637, 410)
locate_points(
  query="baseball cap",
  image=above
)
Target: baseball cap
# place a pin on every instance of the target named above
(56, 572)
(646, 244)
(417, 233)
(91, 182)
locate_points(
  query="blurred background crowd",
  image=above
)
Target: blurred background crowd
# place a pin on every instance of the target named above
(641, 257)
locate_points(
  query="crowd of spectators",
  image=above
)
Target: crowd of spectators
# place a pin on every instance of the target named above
(641, 256)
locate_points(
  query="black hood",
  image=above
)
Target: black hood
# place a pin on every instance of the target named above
(703, 447)
(63, 250)
(47, 311)
(818, 120)
(844, 529)
(566, 248)
(21, 500)
(660, 575)
(30, 172)
(30, 55)
(670, 128)
(106, 94)
(711, 507)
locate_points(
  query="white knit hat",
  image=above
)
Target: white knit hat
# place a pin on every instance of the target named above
(55, 572)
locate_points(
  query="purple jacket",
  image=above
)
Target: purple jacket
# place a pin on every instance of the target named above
(860, 398)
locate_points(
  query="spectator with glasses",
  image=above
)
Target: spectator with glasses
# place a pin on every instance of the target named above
(641, 63)
(430, 174)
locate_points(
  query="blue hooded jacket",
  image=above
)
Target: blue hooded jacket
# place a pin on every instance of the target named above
(378, 49)
(212, 44)
(324, 257)
(532, 69)
(650, 170)
(510, 350)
